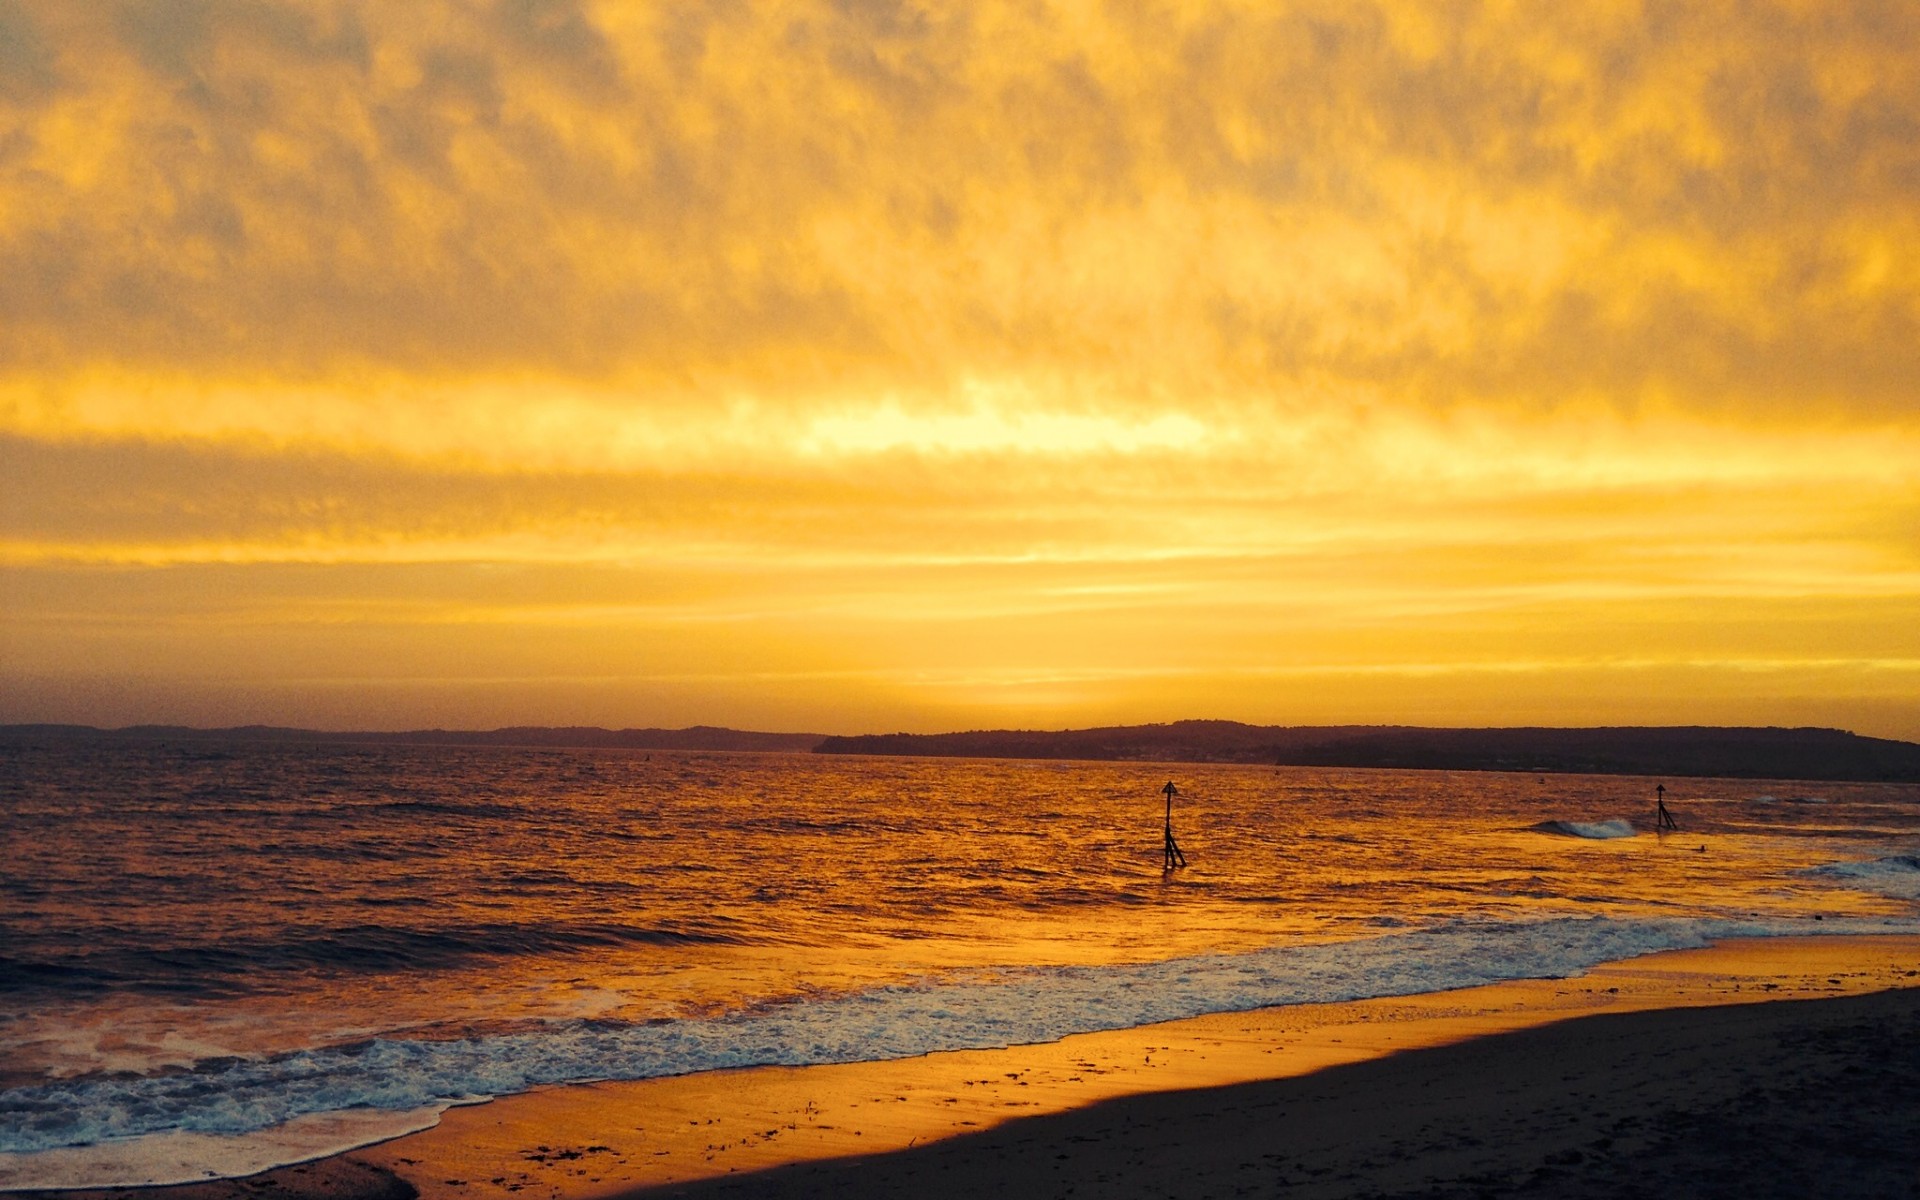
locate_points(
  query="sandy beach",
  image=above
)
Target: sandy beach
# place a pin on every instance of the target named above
(1788, 1099)
(1763, 1067)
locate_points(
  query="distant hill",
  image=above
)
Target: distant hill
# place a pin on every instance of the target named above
(1829, 754)
(698, 737)
(1740, 753)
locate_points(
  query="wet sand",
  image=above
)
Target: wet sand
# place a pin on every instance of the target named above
(1753, 1068)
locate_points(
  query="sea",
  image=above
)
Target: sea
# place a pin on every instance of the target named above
(217, 957)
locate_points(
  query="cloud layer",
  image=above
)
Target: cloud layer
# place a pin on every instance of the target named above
(1721, 200)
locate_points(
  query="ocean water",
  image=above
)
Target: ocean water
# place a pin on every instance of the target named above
(219, 957)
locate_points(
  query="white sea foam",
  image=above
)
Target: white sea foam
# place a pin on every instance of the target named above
(235, 1116)
(1895, 875)
(1598, 830)
(160, 1159)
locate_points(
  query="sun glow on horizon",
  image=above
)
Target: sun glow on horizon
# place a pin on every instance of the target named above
(844, 368)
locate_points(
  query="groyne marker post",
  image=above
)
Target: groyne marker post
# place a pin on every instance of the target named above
(1662, 819)
(1173, 856)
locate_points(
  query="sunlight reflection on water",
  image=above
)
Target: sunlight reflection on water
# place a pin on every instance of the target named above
(167, 902)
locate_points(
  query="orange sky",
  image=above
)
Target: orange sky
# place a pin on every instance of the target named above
(852, 365)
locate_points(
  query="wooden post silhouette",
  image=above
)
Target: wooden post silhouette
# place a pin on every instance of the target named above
(1662, 819)
(1173, 856)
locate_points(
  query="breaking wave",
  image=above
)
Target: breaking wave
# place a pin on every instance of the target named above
(1599, 830)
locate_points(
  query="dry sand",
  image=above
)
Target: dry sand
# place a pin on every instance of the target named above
(1673, 1075)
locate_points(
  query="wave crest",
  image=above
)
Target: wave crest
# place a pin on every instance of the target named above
(1597, 830)
(1896, 875)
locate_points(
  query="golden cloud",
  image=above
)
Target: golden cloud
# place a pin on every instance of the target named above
(1717, 200)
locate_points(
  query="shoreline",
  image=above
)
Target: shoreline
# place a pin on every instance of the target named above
(588, 1141)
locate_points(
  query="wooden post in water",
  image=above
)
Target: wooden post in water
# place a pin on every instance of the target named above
(1662, 819)
(1173, 856)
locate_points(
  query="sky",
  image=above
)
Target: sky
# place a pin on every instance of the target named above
(849, 365)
